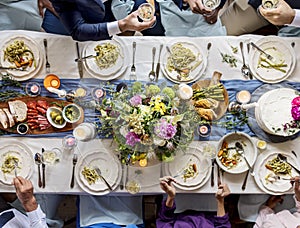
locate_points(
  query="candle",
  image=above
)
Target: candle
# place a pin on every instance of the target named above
(204, 130)
(143, 162)
(243, 96)
(54, 83)
(261, 144)
(34, 89)
(99, 93)
(80, 92)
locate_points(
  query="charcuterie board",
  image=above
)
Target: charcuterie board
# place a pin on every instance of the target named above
(36, 115)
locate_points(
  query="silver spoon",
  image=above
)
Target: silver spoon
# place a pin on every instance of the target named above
(38, 161)
(152, 74)
(245, 68)
(240, 150)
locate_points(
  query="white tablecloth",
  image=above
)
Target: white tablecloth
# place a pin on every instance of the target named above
(61, 55)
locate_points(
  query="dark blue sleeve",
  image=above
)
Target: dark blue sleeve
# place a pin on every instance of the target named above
(83, 19)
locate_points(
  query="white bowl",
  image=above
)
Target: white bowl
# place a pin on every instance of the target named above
(249, 147)
(52, 120)
(71, 113)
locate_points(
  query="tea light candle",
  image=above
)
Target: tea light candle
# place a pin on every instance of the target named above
(243, 96)
(71, 141)
(204, 130)
(261, 144)
(143, 162)
(80, 92)
(34, 88)
(99, 93)
(54, 83)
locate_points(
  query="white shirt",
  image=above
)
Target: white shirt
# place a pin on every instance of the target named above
(34, 219)
(296, 21)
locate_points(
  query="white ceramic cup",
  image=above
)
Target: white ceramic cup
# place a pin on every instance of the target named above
(85, 132)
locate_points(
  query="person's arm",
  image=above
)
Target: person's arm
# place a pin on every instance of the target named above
(42, 4)
(24, 191)
(222, 192)
(282, 15)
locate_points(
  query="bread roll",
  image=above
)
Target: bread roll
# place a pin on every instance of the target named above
(3, 119)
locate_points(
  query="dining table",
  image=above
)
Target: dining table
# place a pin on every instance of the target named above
(61, 54)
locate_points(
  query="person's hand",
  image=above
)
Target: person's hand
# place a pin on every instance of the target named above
(42, 4)
(167, 186)
(212, 17)
(281, 15)
(24, 191)
(131, 23)
(297, 187)
(273, 201)
(197, 7)
(223, 191)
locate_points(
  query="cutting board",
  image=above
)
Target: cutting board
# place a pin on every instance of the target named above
(51, 129)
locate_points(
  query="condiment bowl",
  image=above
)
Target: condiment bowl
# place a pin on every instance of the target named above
(55, 117)
(71, 113)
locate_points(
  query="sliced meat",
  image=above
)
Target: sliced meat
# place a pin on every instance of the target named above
(41, 110)
(43, 104)
(31, 104)
(9, 117)
(3, 119)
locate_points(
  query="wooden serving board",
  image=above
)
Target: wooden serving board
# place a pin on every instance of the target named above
(49, 100)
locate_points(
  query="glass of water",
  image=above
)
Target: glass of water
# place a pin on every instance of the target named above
(269, 4)
(211, 5)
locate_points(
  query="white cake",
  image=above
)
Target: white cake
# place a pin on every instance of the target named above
(274, 110)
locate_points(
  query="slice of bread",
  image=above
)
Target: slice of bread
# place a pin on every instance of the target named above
(3, 119)
(9, 117)
(18, 109)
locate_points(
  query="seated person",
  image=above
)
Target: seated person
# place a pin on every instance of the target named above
(35, 217)
(93, 20)
(110, 211)
(22, 14)
(167, 217)
(284, 218)
(241, 16)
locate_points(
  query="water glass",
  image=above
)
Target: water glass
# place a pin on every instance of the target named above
(85, 132)
(211, 4)
(50, 157)
(269, 4)
(69, 142)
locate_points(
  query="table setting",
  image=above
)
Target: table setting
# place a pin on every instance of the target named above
(119, 127)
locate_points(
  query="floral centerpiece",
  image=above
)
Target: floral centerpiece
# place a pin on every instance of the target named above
(294, 125)
(149, 121)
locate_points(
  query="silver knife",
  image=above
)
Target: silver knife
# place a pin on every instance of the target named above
(79, 62)
(43, 170)
(158, 63)
(11, 68)
(269, 57)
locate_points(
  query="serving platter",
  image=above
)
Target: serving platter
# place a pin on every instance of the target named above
(110, 169)
(25, 164)
(30, 71)
(51, 102)
(194, 74)
(279, 49)
(279, 187)
(110, 72)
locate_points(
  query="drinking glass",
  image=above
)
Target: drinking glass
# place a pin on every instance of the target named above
(211, 5)
(52, 156)
(269, 4)
(133, 186)
(146, 11)
(69, 142)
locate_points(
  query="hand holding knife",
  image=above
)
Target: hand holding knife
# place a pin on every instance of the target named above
(79, 61)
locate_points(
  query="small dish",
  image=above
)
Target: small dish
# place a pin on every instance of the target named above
(55, 117)
(22, 128)
(71, 113)
(33, 89)
(51, 80)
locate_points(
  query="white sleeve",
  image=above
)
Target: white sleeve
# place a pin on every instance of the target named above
(296, 21)
(37, 218)
(113, 28)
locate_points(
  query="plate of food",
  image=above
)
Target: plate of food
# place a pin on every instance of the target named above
(87, 177)
(107, 59)
(273, 175)
(23, 55)
(15, 155)
(182, 62)
(190, 169)
(229, 151)
(210, 98)
(277, 68)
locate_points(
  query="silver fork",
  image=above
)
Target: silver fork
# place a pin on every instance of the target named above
(75, 158)
(100, 175)
(132, 76)
(16, 166)
(46, 53)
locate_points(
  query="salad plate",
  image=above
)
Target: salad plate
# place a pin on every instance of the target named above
(183, 62)
(24, 53)
(265, 178)
(110, 169)
(277, 69)
(15, 150)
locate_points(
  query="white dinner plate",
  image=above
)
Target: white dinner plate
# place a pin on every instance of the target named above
(194, 74)
(280, 186)
(30, 72)
(110, 169)
(269, 44)
(111, 72)
(25, 164)
(192, 156)
(249, 147)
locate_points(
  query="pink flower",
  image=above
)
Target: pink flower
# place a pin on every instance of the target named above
(296, 112)
(135, 100)
(296, 102)
(165, 130)
(132, 138)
